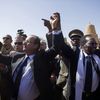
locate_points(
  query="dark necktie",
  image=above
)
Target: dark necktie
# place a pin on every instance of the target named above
(88, 77)
(18, 76)
(76, 50)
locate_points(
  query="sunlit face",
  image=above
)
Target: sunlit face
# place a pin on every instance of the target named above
(29, 45)
(7, 40)
(18, 46)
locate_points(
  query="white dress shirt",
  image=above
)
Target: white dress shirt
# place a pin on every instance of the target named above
(80, 76)
(28, 89)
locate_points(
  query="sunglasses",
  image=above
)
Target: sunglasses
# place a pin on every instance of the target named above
(18, 43)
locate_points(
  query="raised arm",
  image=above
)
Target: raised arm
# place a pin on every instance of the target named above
(58, 41)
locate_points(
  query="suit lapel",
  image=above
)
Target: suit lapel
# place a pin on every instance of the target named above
(14, 65)
(73, 74)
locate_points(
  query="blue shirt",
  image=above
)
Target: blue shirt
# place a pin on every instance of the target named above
(28, 89)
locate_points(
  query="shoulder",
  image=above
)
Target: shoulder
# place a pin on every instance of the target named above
(16, 57)
(97, 52)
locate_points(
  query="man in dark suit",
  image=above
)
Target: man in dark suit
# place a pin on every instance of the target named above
(79, 66)
(60, 73)
(34, 83)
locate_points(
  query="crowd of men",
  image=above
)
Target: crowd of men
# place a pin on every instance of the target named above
(30, 71)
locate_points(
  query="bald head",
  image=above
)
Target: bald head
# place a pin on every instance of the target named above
(88, 44)
(85, 39)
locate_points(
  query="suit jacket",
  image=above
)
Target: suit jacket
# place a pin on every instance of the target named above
(73, 58)
(49, 40)
(42, 71)
(62, 68)
(6, 83)
(97, 52)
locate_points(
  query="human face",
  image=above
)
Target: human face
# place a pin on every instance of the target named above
(30, 46)
(90, 46)
(18, 46)
(75, 41)
(7, 40)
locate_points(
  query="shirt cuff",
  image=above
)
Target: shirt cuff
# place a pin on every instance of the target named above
(49, 33)
(56, 32)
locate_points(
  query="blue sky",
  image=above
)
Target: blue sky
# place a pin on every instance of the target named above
(27, 15)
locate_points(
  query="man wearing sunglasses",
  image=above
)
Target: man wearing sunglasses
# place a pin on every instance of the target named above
(18, 46)
(7, 46)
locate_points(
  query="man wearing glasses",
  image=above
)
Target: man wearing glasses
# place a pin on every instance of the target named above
(18, 46)
(7, 46)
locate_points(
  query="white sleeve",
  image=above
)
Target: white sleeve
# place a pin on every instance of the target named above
(56, 32)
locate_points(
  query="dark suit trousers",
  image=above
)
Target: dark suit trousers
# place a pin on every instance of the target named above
(91, 96)
(38, 98)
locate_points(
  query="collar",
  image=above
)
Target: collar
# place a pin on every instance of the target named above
(56, 32)
(85, 54)
(30, 56)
